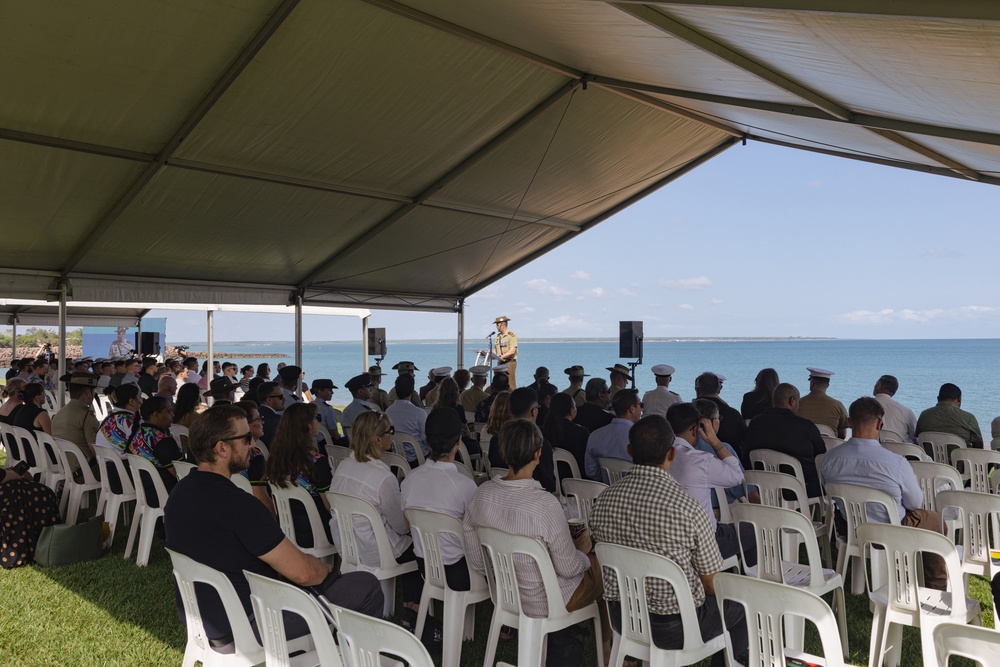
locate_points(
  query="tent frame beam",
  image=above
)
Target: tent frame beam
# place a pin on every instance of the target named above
(232, 72)
(448, 177)
(665, 23)
(915, 9)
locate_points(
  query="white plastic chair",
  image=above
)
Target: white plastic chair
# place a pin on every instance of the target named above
(112, 503)
(324, 432)
(614, 469)
(242, 482)
(346, 508)
(933, 478)
(773, 461)
(888, 435)
(772, 565)
(102, 406)
(854, 503)
(502, 549)
(365, 639)
(28, 450)
(459, 606)
(399, 439)
(766, 604)
(322, 547)
(335, 454)
(826, 430)
(907, 450)
(182, 468)
(466, 461)
(582, 492)
(76, 491)
(832, 441)
(976, 465)
(631, 568)
(248, 651)
(956, 639)
(181, 435)
(560, 455)
(144, 519)
(939, 444)
(771, 487)
(270, 598)
(55, 474)
(902, 601)
(397, 465)
(979, 521)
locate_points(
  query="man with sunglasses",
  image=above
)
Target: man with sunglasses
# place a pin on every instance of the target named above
(271, 402)
(210, 520)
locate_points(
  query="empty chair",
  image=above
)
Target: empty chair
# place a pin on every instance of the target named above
(903, 601)
(581, 493)
(366, 639)
(113, 502)
(283, 498)
(784, 568)
(935, 477)
(976, 466)
(345, 508)
(774, 461)
(565, 457)
(247, 650)
(632, 568)
(614, 469)
(271, 600)
(766, 604)
(399, 442)
(77, 489)
(854, 503)
(907, 450)
(773, 487)
(939, 445)
(967, 641)
(55, 474)
(979, 521)
(459, 606)
(502, 549)
(144, 519)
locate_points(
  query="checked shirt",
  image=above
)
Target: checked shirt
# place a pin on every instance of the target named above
(649, 510)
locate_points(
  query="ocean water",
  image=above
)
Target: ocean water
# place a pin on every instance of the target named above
(920, 365)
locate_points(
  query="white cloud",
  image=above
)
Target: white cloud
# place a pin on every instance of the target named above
(701, 282)
(686, 306)
(579, 275)
(602, 293)
(564, 321)
(527, 309)
(543, 286)
(941, 253)
(920, 316)
(716, 302)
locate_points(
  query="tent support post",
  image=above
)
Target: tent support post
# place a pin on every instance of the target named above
(60, 395)
(298, 341)
(13, 340)
(210, 362)
(138, 341)
(460, 359)
(364, 344)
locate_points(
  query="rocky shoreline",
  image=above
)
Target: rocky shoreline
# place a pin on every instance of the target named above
(76, 351)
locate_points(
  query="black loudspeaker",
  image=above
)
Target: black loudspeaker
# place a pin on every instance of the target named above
(630, 340)
(150, 343)
(376, 342)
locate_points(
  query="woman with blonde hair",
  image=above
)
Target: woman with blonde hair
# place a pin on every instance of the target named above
(13, 395)
(292, 458)
(364, 475)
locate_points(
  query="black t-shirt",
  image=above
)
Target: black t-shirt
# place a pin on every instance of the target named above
(148, 384)
(25, 417)
(214, 522)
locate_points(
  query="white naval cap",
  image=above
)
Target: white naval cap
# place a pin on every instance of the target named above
(722, 378)
(442, 371)
(819, 373)
(662, 369)
(500, 368)
(480, 371)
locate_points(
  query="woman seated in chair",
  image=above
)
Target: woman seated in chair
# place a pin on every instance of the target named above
(255, 471)
(26, 507)
(13, 395)
(499, 415)
(447, 397)
(438, 485)
(153, 442)
(187, 405)
(293, 459)
(364, 475)
(32, 415)
(560, 429)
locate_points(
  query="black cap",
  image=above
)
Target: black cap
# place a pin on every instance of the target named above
(220, 387)
(323, 384)
(444, 425)
(358, 382)
(290, 373)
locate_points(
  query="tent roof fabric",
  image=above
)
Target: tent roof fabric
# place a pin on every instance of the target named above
(380, 154)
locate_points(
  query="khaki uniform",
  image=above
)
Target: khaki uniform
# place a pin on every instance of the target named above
(77, 423)
(504, 344)
(471, 398)
(578, 394)
(380, 398)
(819, 408)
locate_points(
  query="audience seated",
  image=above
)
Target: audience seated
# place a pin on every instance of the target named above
(949, 417)
(408, 418)
(592, 414)
(524, 405)
(560, 430)
(152, 441)
(611, 441)
(819, 408)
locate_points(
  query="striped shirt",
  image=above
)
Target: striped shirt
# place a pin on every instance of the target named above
(523, 507)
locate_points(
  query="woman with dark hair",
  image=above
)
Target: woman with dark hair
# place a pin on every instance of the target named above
(447, 397)
(122, 423)
(186, 405)
(293, 459)
(255, 470)
(546, 390)
(153, 442)
(758, 400)
(560, 429)
(32, 416)
(13, 395)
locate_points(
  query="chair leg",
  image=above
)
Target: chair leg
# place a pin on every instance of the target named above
(599, 640)
(840, 607)
(894, 650)
(389, 591)
(145, 538)
(469, 626)
(454, 620)
(494, 637)
(530, 643)
(426, 601)
(73, 506)
(795, 630)
(136, 520)
(877, 647)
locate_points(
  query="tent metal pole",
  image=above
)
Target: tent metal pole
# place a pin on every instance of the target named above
(210, 362)
(138, 342)
(460, 359)
(364, 344)
(13, 340)
(298, 341)
(60, 395)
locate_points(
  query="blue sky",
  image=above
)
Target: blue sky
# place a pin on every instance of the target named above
(760, 241)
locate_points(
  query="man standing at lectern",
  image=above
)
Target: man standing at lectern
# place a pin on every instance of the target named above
(505, 348)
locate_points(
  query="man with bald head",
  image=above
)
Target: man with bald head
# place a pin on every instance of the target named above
(781, 428)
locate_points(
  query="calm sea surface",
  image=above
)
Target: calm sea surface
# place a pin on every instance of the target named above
(921, 365)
